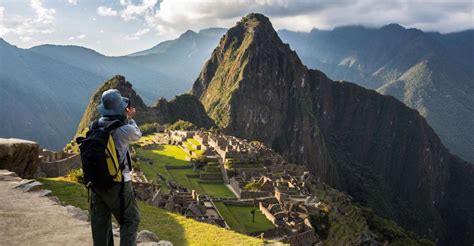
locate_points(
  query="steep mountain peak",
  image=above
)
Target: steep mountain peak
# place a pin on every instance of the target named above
(251, 42)
(117, 82)
(253, 24)
(183, 107)
(393, 27)
(188, 34)
(372, 146)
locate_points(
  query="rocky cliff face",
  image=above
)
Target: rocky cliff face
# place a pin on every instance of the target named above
(183, 107)
(372, 146)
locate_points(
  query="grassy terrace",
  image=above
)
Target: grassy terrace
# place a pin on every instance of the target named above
(189, 146)
(170, 155)
(240, 219)
(168, 226)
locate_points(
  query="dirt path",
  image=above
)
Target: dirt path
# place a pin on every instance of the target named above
(26, 218)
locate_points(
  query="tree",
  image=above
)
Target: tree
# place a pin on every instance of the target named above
(255, 187)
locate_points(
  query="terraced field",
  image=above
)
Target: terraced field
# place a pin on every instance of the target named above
(240, 219)
(173, 156)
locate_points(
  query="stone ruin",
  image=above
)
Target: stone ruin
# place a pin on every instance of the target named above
(54, 164)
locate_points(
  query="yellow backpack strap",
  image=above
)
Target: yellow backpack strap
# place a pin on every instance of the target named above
(113, 163)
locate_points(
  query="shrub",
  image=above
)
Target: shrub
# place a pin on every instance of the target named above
(76, 175)
(182, 125)
(148, 128)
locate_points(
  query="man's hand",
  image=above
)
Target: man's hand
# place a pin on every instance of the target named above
(130, 112)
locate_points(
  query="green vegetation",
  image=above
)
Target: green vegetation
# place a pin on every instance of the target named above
(76, 175)
(170, 155)
(182, 125)
(148, 128)
(388, 230)
(189, 143)
(168, 226)
(239, 218)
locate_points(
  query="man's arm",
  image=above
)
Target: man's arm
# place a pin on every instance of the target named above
(131, 132)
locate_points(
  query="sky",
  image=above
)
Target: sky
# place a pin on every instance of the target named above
(120, 27)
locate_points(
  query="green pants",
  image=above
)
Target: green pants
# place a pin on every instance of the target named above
(104, 203)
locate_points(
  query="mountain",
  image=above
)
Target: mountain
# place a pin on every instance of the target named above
(183, 107)
(42, 99)
(181, 58)
(39, 83)
(430, 72)
(151, 83)
(381, 152)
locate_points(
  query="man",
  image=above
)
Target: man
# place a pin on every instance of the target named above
(105, 202)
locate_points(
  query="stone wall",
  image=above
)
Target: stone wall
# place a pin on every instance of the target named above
(57, 167)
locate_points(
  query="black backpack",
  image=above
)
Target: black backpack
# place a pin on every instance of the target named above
(100, 160)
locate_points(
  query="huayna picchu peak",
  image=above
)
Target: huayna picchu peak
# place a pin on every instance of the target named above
(381, 152)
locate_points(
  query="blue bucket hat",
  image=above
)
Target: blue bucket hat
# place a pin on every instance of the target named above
(112, 103)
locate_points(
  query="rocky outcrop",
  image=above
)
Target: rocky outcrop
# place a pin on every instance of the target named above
(381, 152)
(19, 156)
(184, 107)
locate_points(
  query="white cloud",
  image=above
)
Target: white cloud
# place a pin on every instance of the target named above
(80, 36)
(172, 17)
(25, 38)
(106, 11)
(137, 34)
(133, 11)
(41, 23)
(44, 15)
(73, 2)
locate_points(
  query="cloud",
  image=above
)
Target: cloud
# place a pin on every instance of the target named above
(132, 11)
(80, 36)
(73, 2)
(44, 15)
(171, 17)
(40, 23)
(137, 34)
(25, 38)
(106, 11)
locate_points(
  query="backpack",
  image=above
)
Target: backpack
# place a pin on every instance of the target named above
(100, 160)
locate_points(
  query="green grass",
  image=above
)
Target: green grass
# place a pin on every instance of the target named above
(189, 146)
(240, 219)
(171, 155)
(168, 226)
(194, 141)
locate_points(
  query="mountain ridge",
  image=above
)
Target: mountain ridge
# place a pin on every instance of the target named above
(372, 146)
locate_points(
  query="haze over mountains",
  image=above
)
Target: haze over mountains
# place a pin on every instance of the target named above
(430, 72)
(46, 88)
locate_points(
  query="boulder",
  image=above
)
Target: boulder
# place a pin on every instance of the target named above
(31, 186)
(45, 193)
(19, 156)
(78, 213)
(147, 236)
(6, 175)
(164, 243)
